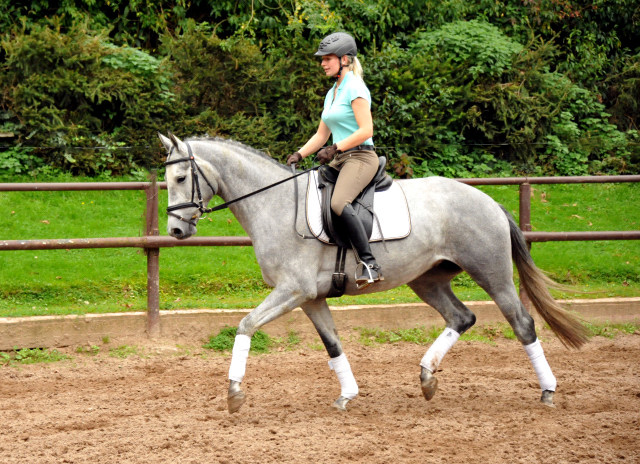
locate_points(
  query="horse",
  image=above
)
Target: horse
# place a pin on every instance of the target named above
(455, 228)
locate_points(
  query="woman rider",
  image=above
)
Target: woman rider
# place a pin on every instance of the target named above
(346, 116)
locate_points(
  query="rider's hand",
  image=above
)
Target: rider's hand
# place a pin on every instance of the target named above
(294, 159)
(326, 154)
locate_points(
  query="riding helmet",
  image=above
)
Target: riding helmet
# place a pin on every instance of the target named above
(338, 43)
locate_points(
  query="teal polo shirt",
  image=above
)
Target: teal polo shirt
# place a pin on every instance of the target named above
(338, 114)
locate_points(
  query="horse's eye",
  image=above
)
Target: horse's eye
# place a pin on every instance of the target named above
(181, 179)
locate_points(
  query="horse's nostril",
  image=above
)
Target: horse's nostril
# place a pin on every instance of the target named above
(177, 232)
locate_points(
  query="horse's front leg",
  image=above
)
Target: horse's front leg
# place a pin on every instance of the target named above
(319, 313)
(280, 301)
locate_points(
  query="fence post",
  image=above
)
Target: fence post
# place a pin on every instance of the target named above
(153, 259)
(525, 226)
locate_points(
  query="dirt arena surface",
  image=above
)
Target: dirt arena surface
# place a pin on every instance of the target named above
(169, 406)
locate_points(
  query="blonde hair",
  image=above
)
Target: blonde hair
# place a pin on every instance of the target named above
(354, 65)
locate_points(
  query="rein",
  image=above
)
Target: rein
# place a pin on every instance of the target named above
(195, 188)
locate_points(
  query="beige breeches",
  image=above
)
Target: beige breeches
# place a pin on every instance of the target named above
(357, 168)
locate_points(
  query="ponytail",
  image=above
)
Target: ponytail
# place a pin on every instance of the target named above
(355, 66)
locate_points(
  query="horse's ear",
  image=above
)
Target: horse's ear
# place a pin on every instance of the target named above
(165, 141)
(173, 142)
(176, 141)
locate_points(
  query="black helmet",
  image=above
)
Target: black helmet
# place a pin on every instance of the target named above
(338, 43)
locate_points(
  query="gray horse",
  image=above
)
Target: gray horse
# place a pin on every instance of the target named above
(455, 228)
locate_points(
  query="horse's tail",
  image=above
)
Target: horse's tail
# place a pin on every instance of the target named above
(568, 328)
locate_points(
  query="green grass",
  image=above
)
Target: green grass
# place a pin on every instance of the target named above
(600, 265)
(263, 343)
(610, 330)
(124, 351)
(260, 342)
(113, 280)
(482, 334)
(425, 336)
(418, 335)
(91, 350)
(31, 356)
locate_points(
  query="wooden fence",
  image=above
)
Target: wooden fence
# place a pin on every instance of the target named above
(152, 241)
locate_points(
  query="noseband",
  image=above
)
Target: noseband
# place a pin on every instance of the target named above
(195, 188)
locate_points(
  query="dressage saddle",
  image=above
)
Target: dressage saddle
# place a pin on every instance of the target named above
(363, 204)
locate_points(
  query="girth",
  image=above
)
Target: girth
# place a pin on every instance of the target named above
(363, 203)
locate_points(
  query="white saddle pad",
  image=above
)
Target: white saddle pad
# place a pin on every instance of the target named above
(390, 207)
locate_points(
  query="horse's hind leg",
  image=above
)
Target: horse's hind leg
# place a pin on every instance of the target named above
(434, 288)
(524, 329)
(501, 289)
(319, 313)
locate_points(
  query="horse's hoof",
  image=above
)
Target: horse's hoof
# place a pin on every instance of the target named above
(429, 384)
(235, 401)
(547, 398)
(341, 403)
(235, 397)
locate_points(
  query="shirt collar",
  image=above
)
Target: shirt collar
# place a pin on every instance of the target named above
(346, 78)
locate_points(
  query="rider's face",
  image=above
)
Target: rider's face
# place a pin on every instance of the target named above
(330, 64)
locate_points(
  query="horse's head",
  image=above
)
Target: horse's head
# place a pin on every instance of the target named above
(189, 189)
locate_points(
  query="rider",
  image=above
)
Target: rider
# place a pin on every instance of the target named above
(346, 116)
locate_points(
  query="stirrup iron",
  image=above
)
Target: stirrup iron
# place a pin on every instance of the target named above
(360, 283)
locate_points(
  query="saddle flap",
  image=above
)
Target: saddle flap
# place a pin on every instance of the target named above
(390, 207)
(382, 180)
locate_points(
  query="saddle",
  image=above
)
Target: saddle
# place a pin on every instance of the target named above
(363, 204)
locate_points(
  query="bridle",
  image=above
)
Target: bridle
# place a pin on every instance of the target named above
(195, 189)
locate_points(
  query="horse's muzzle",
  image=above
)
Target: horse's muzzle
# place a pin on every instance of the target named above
(181, 231)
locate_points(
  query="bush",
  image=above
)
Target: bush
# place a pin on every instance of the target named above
(428, 110)
(466, 100)
(581, 140)
(474, 88)
(76, 89)
(231, 89)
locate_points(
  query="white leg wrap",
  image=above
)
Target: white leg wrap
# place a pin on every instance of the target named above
(541, 366)
(432, 359)
(239, 357)
(342, 368)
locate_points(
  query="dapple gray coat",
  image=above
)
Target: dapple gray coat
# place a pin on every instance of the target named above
(455, 228)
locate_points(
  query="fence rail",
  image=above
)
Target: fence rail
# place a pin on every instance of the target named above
(148, 241)
(152, 241)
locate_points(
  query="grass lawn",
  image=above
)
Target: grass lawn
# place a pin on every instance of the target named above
(110, 280)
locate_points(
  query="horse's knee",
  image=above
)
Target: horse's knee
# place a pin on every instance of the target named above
(246, 327)
(287, 298)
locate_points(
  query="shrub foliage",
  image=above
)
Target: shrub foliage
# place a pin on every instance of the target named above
(459, 88)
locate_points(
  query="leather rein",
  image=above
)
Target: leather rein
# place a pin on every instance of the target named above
(195, 189)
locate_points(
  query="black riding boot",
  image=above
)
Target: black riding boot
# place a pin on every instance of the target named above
(369, 272)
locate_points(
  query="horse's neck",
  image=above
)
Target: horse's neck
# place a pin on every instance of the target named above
(242, 172)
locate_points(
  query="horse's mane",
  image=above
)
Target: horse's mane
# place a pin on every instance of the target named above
(236, 144)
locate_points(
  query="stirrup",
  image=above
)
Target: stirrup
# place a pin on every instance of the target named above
(367, 276)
